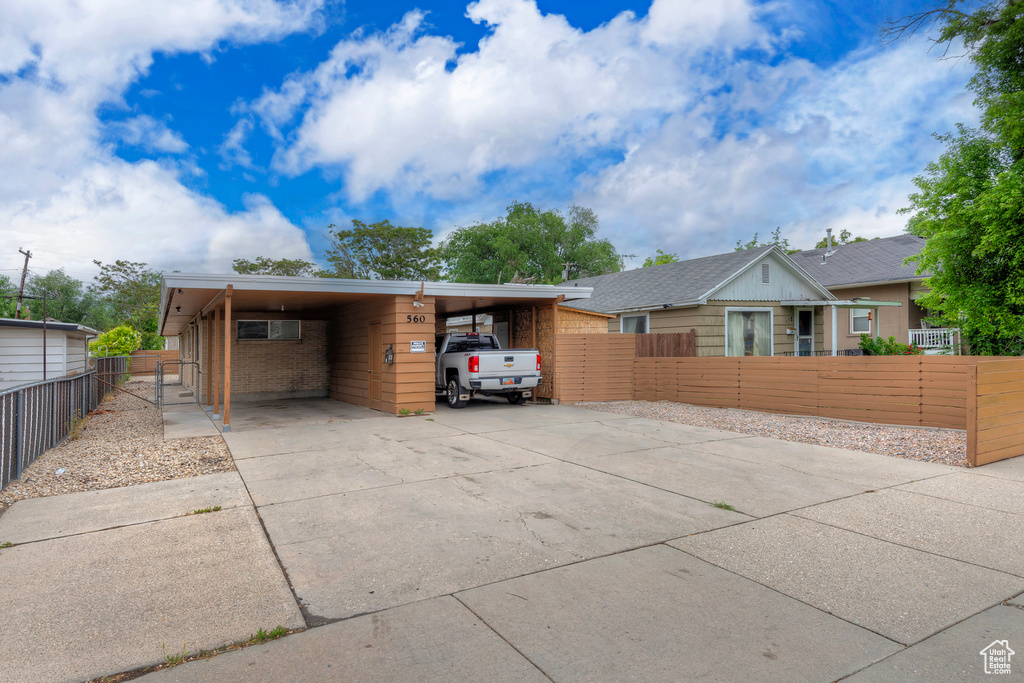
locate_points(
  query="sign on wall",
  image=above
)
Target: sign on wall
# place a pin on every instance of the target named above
(417, 347)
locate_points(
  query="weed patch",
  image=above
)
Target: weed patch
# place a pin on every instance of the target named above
(722, 505)
(215, 508)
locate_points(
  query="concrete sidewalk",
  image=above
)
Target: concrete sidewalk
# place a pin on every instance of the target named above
(107, 581)
(524, 543)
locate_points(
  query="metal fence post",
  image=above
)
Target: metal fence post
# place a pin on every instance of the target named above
(19, 430)
(53, 416)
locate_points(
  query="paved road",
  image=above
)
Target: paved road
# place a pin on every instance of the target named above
(540, 543)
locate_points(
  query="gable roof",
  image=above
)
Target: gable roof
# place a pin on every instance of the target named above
(872, 262)
(681, 283)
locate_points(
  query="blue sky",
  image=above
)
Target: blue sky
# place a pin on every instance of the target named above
(189, 133)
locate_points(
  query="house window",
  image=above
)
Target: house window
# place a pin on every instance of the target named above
(748, 332)
(252, 330)
(635, 323)
(860, 321)
(766, 274)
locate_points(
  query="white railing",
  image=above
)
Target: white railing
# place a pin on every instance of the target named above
(936, 338)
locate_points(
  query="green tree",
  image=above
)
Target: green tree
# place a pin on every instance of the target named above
(845, 237)
(133, 292)
(661, 259)
(529, 245)
(8, 304)
(265, 266)
(777, 240)
(381, 251)
(970, 203)
(65, 296)
(119, 341)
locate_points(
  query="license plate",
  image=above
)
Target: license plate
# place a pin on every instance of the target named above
(508, 381)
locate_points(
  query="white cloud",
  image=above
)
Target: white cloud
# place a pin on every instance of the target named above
(142, 212)
(64, 190)
(720, 135)
(148, 133)
(824, 147)
(402, 111)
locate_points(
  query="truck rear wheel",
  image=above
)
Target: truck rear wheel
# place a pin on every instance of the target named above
(452, 393)
(515, 397)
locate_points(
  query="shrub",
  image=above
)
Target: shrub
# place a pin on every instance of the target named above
(119, 341)
(888, 347)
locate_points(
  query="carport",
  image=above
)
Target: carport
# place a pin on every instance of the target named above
(257, 337)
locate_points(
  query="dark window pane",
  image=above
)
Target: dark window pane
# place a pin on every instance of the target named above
(284, 329)
(805, 319)
(252, 329)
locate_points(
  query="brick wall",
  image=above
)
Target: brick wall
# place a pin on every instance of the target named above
(277, 368)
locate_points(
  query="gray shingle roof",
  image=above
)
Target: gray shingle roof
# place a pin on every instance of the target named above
(878, 261)
(669, 283)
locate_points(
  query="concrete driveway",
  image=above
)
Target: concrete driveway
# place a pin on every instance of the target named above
(525, 543)
(536, 543)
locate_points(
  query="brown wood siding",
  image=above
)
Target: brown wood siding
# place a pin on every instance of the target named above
(408, 383)
(571, 321)
(998, 415)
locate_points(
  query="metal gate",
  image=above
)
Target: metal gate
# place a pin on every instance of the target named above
(177, 382)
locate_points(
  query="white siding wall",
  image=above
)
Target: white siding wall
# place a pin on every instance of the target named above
(21, 355)
(78, 354)
(783, 284)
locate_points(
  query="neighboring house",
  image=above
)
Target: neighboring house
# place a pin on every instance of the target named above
(755, 302)
(22, 352)
(876, 270)
(464, 323)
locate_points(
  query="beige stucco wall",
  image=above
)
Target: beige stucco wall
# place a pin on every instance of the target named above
(892, 321)
(709, 322)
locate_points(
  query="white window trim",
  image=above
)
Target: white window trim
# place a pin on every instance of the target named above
(639, 314)
(749, 309)
(870, 321)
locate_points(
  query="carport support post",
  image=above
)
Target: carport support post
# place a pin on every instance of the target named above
(215, 371)
(209, 362)
(835, 331)
(227, 359)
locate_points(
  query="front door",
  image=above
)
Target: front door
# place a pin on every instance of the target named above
(376, 366)
(805, 332)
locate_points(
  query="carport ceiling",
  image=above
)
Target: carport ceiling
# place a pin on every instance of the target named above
(184, 296)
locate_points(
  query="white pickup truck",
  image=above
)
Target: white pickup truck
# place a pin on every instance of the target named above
(474, 363)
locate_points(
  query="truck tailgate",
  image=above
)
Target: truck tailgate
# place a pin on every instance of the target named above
(518, 362)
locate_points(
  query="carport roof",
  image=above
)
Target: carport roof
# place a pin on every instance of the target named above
(183, 296)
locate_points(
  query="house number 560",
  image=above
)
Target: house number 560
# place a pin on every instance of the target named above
(415, 318)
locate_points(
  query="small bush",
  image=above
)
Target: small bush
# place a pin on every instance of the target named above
(888, 347)
(119, 341)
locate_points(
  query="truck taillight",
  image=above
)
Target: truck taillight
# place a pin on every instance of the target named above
(474, 363)
(538, 361)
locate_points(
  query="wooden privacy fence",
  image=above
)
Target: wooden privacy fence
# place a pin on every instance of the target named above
(146, 362)
(995, 411)
(599, 367)
(982, 395)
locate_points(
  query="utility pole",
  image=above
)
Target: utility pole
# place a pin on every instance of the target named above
(21, 290)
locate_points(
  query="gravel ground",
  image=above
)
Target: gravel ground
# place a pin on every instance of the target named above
(946, 446)
(122, 444)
